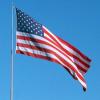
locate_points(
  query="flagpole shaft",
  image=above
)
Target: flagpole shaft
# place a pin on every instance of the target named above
(11, 73)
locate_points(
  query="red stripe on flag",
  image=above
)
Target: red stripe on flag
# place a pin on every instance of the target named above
(67, 44)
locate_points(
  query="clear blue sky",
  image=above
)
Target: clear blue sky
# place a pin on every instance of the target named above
(76, 21)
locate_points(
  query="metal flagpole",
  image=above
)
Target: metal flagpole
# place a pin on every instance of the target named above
(12, 64)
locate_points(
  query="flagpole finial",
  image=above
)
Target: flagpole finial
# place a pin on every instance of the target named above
(13, 6)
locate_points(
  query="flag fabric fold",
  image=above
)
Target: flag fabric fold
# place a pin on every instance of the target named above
(34, 39)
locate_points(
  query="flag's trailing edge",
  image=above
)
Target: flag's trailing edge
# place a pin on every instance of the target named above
(34, 39)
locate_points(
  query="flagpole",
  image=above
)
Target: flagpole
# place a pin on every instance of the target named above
(12, 64)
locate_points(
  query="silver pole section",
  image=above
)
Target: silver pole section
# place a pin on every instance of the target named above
(12, 64)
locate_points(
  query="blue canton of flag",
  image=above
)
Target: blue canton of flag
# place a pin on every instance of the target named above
(27, 24)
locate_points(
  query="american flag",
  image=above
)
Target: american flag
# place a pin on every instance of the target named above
(34, 39)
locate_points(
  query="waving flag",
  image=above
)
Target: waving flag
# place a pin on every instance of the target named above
(34, 39)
